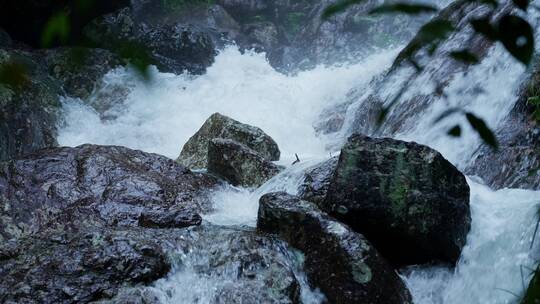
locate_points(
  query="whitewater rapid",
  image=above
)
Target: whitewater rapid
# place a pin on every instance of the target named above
(160, 116)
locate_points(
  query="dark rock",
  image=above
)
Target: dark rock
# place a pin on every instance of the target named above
(113, 185)
(80, 69)
(238, 164)
(28, 108)
(409, 201)
(337, 260)
(171, 47)
(195, 152)
(26, 20)
(516, 164)
(317, 181)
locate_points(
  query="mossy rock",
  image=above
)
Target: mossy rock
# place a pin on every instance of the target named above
(404, 197)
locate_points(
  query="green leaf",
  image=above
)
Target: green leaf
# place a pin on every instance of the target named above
(338, 7)
(405, 8)
(464, 56)
(517, 36)
(138, 57)
(484, 27)
(57, 27)
(522, 4)
(436, 30)
(455, 131)
(483, 130)
(13, 74)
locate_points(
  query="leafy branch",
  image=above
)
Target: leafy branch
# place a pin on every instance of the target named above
(511, 30)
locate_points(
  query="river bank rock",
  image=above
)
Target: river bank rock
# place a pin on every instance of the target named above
(338, 260)
(116, 185)
(194, 154)
(409, 201)
(173, 48)
(238, 164)
(29, 106)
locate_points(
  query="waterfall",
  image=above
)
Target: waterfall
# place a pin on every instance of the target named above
(161, 115)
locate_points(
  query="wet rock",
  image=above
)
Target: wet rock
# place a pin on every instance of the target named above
(29, 108)
(173, 48)
(113, 185)
(409, 201)
(317, 181)
(195, 152)
(338, 260)
(238, 164)
(80, 69)
(516, 164)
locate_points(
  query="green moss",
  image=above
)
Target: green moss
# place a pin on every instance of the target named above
(399, 186)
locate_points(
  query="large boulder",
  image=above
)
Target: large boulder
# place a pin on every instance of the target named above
(339, 261)
(195, 152)
(175, 47)
(115, 185)
(29, 104)
(238, 164)
(407, 199)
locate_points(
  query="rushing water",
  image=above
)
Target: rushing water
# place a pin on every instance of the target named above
(161, 116)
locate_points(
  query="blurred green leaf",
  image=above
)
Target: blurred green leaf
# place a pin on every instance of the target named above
(57, 28)
(517, 37)
(13, 74)
(338, 7)
(484, 27)
(405, 8)
(438, 29)
(137, 56)
(455, 131)
(464, 56)
(483, 130)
